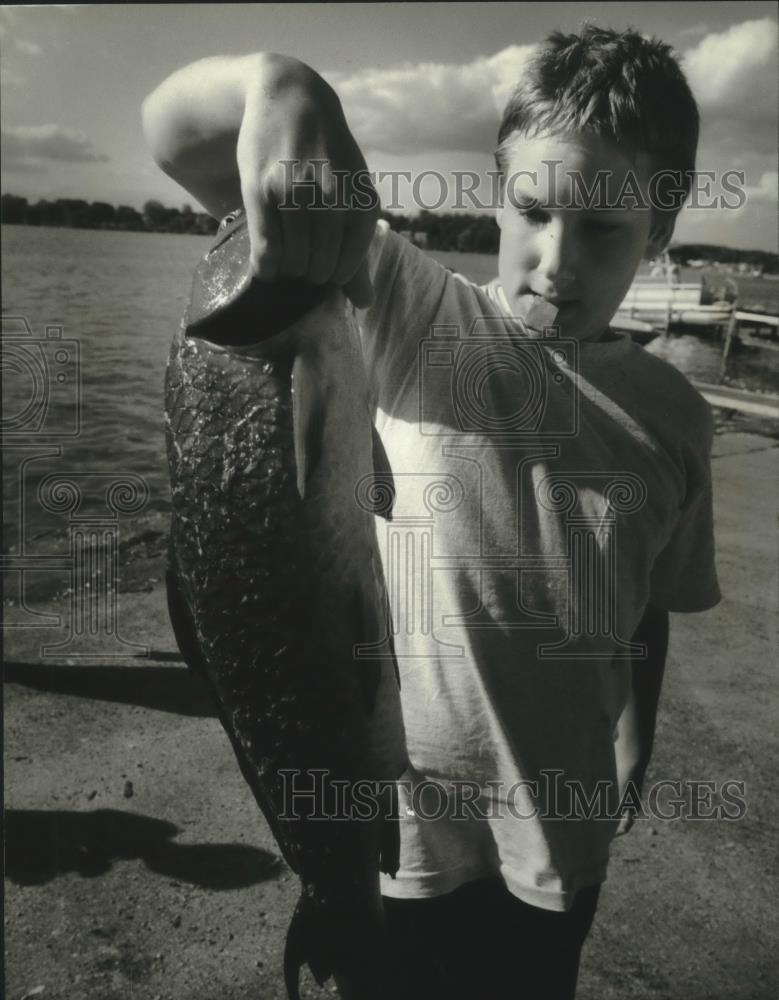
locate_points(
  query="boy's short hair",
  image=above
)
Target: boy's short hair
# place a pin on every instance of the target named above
(619, 86)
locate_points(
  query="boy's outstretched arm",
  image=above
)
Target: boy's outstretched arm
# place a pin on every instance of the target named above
(251, 131)
(636, 728)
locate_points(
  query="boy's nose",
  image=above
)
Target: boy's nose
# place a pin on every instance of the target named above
(555, 256)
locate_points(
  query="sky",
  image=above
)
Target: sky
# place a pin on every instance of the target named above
(422, 85)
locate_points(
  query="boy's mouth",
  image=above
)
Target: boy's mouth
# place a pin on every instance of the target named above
(532, 301)
(540, 313)
(558, 301)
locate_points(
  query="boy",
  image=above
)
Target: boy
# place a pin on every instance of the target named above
(553, 498)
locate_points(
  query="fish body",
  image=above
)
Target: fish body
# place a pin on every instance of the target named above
(275, 588)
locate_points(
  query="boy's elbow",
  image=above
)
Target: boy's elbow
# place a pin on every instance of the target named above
(160, 128)
(191, 105)
(164, 116)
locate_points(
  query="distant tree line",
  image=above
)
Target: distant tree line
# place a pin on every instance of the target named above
(469, 233)
(80, 214)
(453, 231)
(466, 233)
(711, 253)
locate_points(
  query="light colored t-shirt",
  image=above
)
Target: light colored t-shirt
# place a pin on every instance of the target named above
(546, 492)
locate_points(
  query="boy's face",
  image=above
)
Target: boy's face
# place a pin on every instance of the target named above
(580, 259)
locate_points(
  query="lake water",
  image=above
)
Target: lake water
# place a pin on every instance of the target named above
(118, 298)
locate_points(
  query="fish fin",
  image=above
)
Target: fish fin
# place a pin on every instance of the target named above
(348, 945)
(390, 835)
(368, 628)
(308, 419)
(383, 478)
(308, 943)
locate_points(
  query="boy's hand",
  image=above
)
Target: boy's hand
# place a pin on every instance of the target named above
(636, 727)
(630, 775)
(311, 208)
(249, 130)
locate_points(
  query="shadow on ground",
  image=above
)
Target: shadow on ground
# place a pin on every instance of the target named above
(168, 689)
(42, 844)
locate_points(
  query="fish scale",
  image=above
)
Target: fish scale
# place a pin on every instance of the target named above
(275, 580)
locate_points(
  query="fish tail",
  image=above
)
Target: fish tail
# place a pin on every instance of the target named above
(309, 942)
(349, 945)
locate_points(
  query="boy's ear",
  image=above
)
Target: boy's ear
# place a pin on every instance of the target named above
(660, 233)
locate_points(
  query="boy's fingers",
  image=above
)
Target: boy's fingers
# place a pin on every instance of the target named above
(295, 225)
(354, 245)
(359, 288)
(265, 237)
(326, 234)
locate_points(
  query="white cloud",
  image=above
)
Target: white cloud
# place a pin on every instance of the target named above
(735, 67)
(22, 45)
(23, 145)
(767, 190)
(27, 48)
(410, 114)
(431, 106)
(733, 74)
(447, 106)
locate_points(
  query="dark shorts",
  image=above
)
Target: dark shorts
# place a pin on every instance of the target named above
(481, 941)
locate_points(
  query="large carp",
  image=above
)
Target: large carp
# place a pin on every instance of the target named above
(276, 593)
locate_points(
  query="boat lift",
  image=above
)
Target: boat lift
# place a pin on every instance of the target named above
(653, 304)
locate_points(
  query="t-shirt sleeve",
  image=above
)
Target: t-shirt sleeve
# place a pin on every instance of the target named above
(408, 286)
(684, 576)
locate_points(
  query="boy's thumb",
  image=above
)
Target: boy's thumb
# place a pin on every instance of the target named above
(359, 288)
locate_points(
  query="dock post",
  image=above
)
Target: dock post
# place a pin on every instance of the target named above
(729, 333)
(669, 280)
